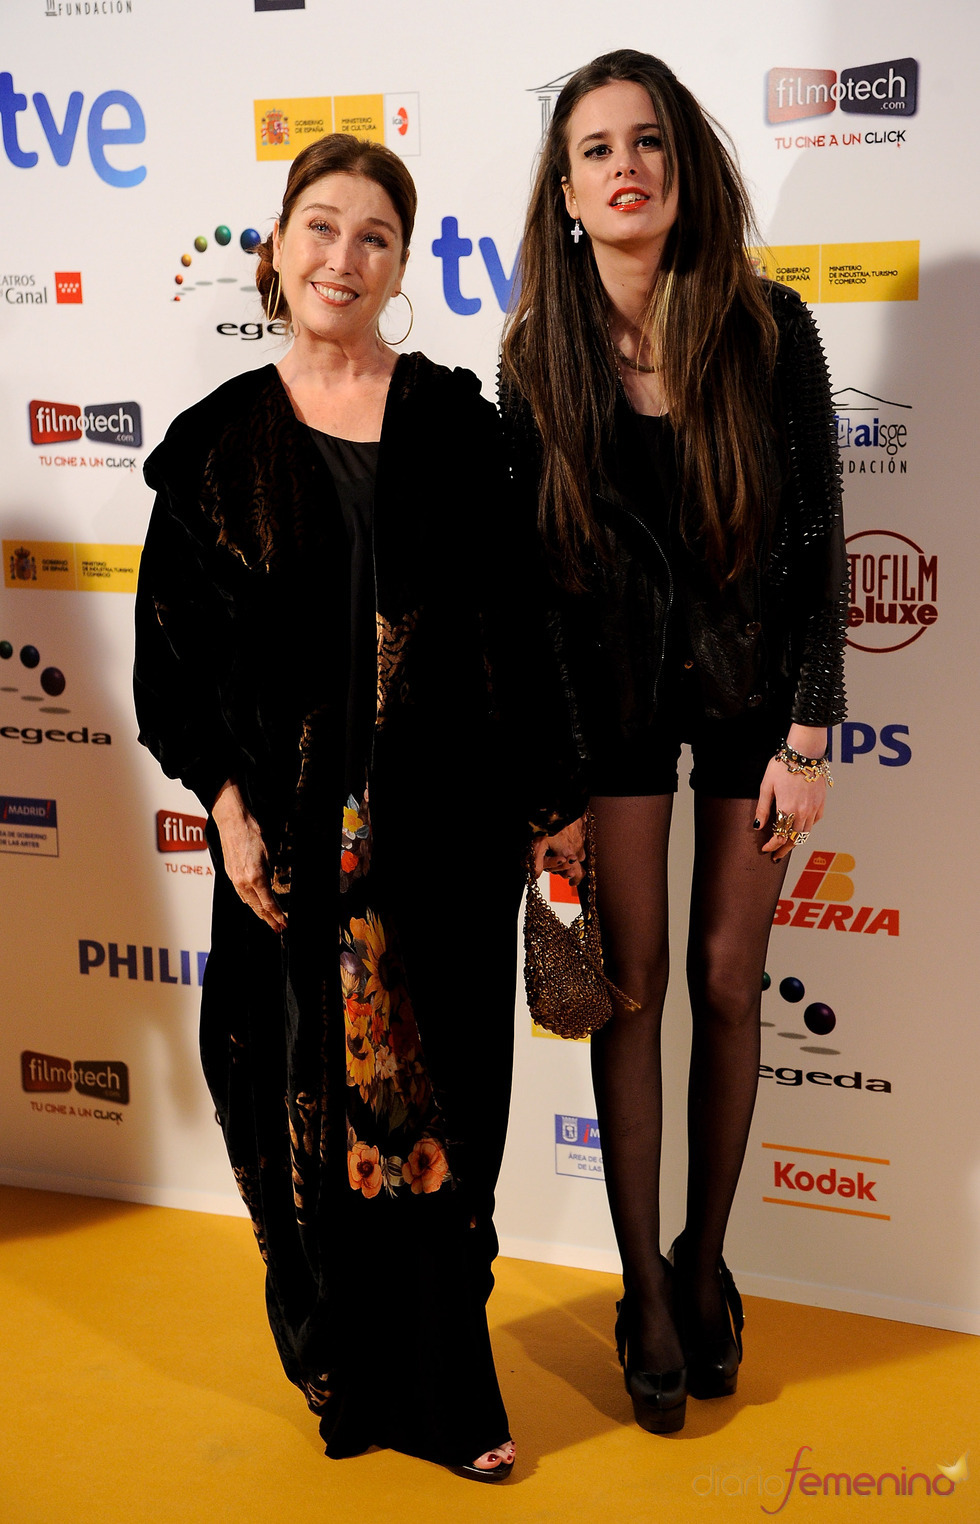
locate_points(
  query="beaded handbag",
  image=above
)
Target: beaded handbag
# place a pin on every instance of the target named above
(567, 991)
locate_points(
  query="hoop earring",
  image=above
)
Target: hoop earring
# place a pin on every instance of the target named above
(411, 322)
(270, 316)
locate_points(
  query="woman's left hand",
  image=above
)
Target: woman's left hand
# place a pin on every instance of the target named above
(791, 794)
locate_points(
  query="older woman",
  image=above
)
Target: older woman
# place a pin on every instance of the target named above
(322, 659)
(670, 420)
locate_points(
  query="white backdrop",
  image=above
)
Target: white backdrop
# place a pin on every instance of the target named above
(129, 131)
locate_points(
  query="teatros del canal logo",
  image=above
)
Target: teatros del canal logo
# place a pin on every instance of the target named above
(882, 89)
(894, 590)
(821, 898)
(106, 423)
(25, 291)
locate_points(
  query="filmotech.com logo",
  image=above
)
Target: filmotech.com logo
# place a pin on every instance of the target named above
(880, 89)
(99, 1079)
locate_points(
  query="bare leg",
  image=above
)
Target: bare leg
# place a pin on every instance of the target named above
(733, 900)
(631, 862)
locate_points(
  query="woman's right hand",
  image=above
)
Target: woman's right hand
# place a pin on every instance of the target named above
(563, 853)
(245, 857)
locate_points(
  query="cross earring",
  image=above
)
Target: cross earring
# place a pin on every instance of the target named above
(577, 231)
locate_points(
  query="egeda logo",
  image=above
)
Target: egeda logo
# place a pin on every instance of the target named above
(115, 118)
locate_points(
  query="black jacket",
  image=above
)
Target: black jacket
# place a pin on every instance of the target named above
(776, 635)
(241, 609)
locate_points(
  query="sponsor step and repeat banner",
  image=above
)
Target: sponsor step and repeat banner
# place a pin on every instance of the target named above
(145, 150)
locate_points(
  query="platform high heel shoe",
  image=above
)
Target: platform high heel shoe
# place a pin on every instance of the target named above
(659, 1398)
(712, 1362)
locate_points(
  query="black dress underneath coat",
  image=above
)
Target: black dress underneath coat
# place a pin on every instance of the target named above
(360, 1065)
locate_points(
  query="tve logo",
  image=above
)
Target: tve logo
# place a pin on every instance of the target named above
(819, 900)
(114, 423)
(123, 110)
(451, 248)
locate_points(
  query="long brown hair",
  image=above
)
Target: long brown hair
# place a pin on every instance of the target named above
(338, 153)
(707, 316)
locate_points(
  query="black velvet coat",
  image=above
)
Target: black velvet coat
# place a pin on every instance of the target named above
(360, 1065)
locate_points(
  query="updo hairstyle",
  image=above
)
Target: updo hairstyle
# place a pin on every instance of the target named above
(339, 153)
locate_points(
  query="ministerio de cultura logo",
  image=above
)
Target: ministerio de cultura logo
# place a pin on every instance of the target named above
(806, 1481)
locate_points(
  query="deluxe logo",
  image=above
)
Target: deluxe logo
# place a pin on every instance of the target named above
(100, 1079)
(61, 140)
(139, 962)
(819, 902)
(805, 1183)
(111, 423)
(180, 833)
(882, 89)
(872, 434)
(894, 590)
(29, 827)
(68, 286)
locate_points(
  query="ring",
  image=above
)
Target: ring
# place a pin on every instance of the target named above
(802, 837)
(784, 823)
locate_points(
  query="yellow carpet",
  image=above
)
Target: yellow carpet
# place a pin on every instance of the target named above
(140, 1385)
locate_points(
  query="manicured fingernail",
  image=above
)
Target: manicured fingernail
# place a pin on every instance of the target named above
(756, 824)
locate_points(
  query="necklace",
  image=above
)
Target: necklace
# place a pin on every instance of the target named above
(645, 370)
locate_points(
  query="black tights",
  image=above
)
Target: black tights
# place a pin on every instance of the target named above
(733, 899)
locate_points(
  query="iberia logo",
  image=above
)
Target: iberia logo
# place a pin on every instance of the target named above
(821, 899)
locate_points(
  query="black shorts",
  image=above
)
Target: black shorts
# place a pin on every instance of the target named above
(730, 756)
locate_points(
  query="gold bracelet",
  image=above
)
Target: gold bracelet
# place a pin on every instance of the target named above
(810, 768)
